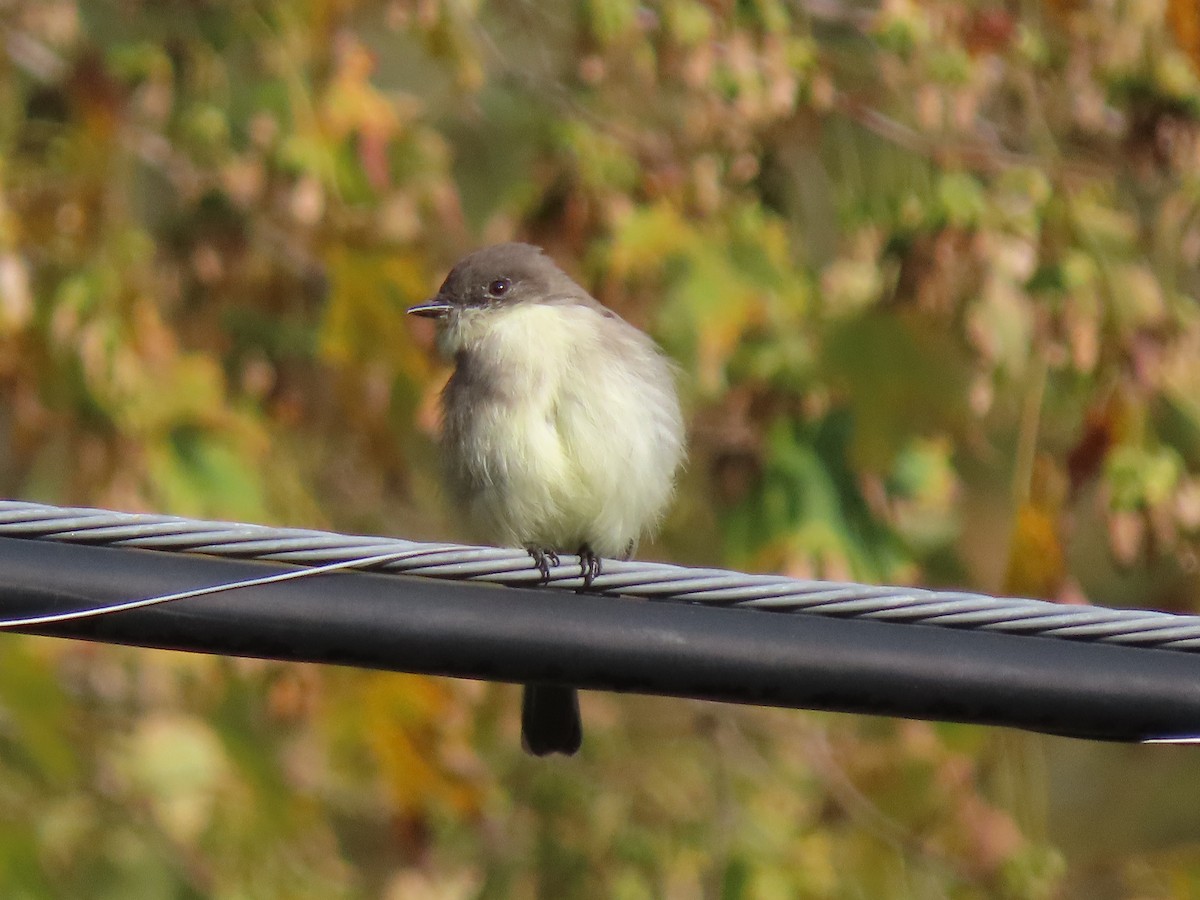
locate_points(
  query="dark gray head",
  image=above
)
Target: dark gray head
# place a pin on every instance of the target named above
(503, 274)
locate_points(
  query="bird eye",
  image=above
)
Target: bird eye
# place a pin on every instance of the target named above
(499, 287)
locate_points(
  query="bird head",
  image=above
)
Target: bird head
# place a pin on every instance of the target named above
(499, 277)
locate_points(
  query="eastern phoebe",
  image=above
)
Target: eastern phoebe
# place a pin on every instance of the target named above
(561, 429)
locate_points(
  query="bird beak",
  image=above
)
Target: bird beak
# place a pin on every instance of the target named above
(436, 308)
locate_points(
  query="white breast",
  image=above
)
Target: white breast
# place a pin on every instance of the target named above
(562, 429)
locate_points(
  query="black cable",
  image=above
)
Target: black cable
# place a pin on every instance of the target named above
(412, 624)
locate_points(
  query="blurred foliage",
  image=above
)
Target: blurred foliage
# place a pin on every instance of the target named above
(931, 274)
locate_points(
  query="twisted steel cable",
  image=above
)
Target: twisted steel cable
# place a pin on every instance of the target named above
(652, 581)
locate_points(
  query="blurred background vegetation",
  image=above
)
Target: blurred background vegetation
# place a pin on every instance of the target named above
(930, 270)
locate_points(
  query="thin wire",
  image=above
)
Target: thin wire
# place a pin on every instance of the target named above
(1172, 740)
(317, 550)
(107, 609)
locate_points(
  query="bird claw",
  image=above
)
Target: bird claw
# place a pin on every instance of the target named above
(543, 559)
(589, 565)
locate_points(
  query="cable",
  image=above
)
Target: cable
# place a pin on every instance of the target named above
(1103, 674)
(518, 634)
(513, 567)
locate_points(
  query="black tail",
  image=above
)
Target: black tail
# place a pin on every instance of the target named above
(550, 720)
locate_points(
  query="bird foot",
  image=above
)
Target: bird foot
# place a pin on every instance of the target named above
(543, 559)
(589, 565)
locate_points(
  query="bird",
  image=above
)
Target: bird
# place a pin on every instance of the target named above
(561, 430)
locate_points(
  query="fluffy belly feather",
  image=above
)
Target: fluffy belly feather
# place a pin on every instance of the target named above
(566, 449)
